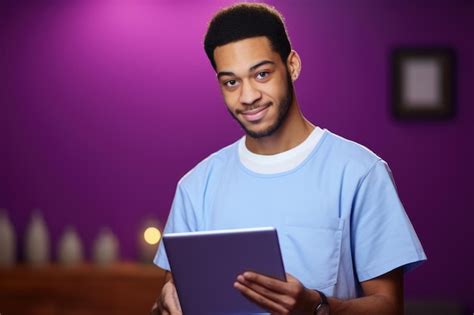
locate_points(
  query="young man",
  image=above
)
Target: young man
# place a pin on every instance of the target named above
(345, 238)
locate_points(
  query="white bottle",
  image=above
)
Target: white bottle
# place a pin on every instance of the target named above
(70, 248)
(106, 248)
(37, 246)
(7, 240)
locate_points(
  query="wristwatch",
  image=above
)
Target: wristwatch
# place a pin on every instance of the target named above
(323, 307)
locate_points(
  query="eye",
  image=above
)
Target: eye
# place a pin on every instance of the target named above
(262, 75)
(230, 83)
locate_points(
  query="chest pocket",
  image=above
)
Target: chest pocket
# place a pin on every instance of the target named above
(312, 251)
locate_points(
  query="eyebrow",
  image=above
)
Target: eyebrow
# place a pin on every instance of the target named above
(252, 68)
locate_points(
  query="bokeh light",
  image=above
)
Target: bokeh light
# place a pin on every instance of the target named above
(152, 235)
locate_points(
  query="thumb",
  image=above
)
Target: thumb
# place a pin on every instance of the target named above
(290, 278)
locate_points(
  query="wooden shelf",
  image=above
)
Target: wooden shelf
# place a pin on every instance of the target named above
(123, 288)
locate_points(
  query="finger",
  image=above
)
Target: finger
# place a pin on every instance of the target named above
(170, 312)
(155, 309)
(267, 282)
(278, 298)
(169, 301)
(162, 310)
(260, 300)
(176, 304)
(290, 278)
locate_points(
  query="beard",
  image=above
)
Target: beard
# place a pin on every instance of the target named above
(284, 104)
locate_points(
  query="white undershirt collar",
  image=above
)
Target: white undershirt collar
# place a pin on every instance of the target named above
(280, 162)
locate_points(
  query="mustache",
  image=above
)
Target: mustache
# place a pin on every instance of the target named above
(252, 107)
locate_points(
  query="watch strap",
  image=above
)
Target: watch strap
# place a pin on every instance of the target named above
(324, 302)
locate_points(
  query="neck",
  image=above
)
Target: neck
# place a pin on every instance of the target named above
(294, 130)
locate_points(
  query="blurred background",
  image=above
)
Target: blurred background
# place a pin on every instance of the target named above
(104, 105)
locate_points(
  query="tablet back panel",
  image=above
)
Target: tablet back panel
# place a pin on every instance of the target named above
(205, 266)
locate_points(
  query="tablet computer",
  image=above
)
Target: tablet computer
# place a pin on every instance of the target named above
(205, 266)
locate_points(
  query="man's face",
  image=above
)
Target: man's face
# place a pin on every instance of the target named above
(255, 83)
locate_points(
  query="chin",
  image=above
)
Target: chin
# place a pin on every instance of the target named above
(261, 132)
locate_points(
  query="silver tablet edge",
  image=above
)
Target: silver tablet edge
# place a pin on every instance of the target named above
(228, 231)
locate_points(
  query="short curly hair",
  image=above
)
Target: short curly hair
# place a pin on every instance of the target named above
(246, 20)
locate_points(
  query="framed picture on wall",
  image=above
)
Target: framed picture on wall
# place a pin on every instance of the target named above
(423, 83)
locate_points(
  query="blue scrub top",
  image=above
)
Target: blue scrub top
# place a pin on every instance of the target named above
(338, 215)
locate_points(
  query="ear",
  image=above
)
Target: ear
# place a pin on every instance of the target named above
(293, 63)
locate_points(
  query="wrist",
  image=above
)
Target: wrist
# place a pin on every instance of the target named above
(322, 307)
(312, 299)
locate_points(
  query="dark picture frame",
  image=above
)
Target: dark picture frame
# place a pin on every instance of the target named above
(423, 83)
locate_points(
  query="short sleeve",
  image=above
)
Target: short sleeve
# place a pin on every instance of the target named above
(382, 235)
(181, 219)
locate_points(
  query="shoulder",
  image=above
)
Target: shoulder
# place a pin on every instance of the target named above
(210, 167)
(350, 154)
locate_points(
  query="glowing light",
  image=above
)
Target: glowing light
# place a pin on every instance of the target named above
(152, 235)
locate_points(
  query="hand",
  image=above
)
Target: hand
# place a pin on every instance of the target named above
(168, 303)
(276, 296)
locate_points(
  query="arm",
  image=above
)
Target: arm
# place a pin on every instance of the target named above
(168, 302)
(382, 295)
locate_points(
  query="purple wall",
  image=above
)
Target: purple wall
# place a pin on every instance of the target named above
(103, 105)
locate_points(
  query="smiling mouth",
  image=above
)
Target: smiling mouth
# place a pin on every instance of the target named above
(254, 109)
(255, 113)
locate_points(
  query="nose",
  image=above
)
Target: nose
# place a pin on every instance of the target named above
(249, 94)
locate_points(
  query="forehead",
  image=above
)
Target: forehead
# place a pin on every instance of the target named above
(243, 54)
